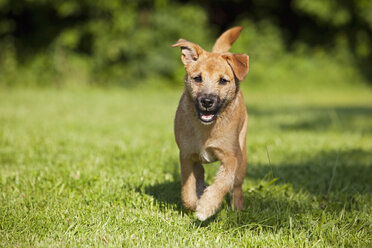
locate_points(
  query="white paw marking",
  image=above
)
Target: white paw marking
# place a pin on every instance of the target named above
(203, 213)
(201, 217)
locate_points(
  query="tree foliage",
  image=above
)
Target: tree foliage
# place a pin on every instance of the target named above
(127, 41)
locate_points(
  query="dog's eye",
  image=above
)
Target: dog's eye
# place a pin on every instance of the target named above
(197, 79)
(223, 81)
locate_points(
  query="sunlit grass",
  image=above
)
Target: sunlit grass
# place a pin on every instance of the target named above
(100, 168)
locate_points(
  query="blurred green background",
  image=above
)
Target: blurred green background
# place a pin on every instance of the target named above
(292, 43)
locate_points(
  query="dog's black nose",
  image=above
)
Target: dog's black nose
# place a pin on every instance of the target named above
(207, 102)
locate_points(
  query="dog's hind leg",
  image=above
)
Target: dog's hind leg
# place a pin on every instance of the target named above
(236, 194)
(192, 174)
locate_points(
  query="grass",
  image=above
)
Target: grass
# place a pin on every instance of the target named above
(82, 168)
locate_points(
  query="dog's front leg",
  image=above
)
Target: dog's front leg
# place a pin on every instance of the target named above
(192, 173)
(214, 194)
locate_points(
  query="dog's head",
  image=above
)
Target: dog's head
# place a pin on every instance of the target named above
(212, 78)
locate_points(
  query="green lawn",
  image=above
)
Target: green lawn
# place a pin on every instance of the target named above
(90, 167)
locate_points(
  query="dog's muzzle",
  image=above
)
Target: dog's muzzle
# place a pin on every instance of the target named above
(207, 106)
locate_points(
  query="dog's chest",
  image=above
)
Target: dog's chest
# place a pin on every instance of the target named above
(207, 156)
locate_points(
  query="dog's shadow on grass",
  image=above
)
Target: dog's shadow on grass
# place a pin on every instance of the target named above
(166, 194)
(332, 180)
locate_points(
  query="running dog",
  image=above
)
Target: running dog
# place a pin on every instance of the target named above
(211, 124)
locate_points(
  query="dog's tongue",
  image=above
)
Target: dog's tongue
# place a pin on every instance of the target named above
(207, 117)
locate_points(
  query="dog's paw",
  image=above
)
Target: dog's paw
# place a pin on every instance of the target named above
(204, 210)
(202, 215)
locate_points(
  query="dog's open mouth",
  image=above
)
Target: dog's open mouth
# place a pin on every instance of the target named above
(207, 117)
(207, 107)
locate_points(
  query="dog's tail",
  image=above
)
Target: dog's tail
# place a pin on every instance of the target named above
(226, 39)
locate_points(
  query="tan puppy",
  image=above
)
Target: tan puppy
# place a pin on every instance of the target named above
(211, 124)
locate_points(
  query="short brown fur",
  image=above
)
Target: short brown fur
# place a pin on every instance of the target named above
(212, 78)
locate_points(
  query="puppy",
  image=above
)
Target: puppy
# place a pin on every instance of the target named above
(211, 124)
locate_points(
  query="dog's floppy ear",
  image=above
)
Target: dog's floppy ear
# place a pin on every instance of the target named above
(190, 51)
(239, 64)
(226, 39)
